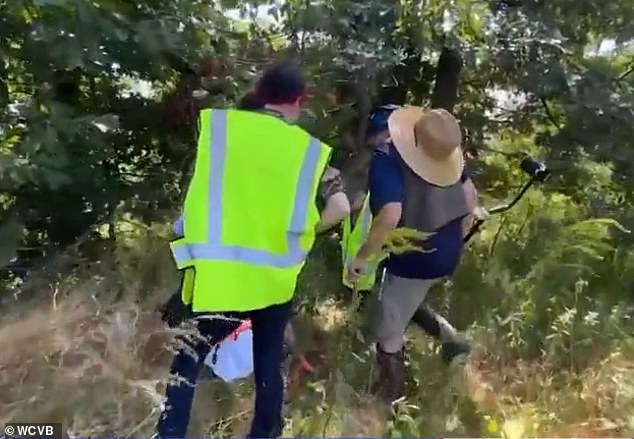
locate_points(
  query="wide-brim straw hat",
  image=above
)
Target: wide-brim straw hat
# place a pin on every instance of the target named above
(428, 141)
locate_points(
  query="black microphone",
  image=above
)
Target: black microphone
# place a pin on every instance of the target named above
(537, 171)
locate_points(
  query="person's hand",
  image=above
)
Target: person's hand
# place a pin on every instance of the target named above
(356, 269)
(480, 213)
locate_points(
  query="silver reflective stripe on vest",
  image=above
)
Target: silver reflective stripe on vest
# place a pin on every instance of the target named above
(214, 249)
(367, 216)
(179, 228)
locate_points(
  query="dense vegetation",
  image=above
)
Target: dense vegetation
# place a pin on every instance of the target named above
(97, 123)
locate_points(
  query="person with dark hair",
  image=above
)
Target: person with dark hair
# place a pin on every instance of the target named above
(250, 218)
(281, 92)
(250, 102)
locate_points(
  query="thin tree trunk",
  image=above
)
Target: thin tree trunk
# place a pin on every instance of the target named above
(445, 93)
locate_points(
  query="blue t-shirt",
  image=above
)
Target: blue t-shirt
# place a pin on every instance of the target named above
(387, 185)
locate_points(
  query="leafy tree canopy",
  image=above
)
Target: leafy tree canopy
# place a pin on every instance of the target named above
(97, 109)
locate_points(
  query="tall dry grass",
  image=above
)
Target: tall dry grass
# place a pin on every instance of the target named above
(99, 367)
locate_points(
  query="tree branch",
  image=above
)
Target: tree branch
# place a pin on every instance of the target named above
(626, 73)
(364, 105)
(550, 114)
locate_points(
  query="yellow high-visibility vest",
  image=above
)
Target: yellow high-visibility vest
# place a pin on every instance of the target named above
(353, 238)
(250, 211)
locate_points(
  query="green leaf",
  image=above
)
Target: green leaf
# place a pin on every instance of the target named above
(492, 425)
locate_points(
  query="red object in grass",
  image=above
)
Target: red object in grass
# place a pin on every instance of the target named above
(305, 366)
(299, 367)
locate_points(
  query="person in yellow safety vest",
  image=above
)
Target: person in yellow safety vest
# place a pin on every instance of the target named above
(250, 218)
(416, 181)
(354, 232)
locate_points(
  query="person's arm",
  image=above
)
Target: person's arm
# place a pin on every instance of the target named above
(387, 189)
(382, 225)
(337, 206)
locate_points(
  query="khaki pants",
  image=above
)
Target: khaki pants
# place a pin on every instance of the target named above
(392, 308)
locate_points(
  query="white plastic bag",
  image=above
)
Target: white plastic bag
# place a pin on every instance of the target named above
(234, 355)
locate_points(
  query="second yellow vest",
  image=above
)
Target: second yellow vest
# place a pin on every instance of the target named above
(354, 236)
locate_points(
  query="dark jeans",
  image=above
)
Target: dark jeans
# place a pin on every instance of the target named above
(268, 327)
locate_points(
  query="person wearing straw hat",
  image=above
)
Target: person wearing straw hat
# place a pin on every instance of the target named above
(417, 181)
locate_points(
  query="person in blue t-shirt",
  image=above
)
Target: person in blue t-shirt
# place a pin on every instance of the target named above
(416, 180)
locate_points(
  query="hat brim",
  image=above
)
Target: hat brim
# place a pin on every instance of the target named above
(439, 172)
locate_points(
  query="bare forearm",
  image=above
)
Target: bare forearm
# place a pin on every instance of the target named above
(377, 238)
(382, 226)
(337, 208)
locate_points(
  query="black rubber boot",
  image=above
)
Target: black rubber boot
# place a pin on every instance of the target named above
(436, 326)
(390, 385)
(452, 349)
